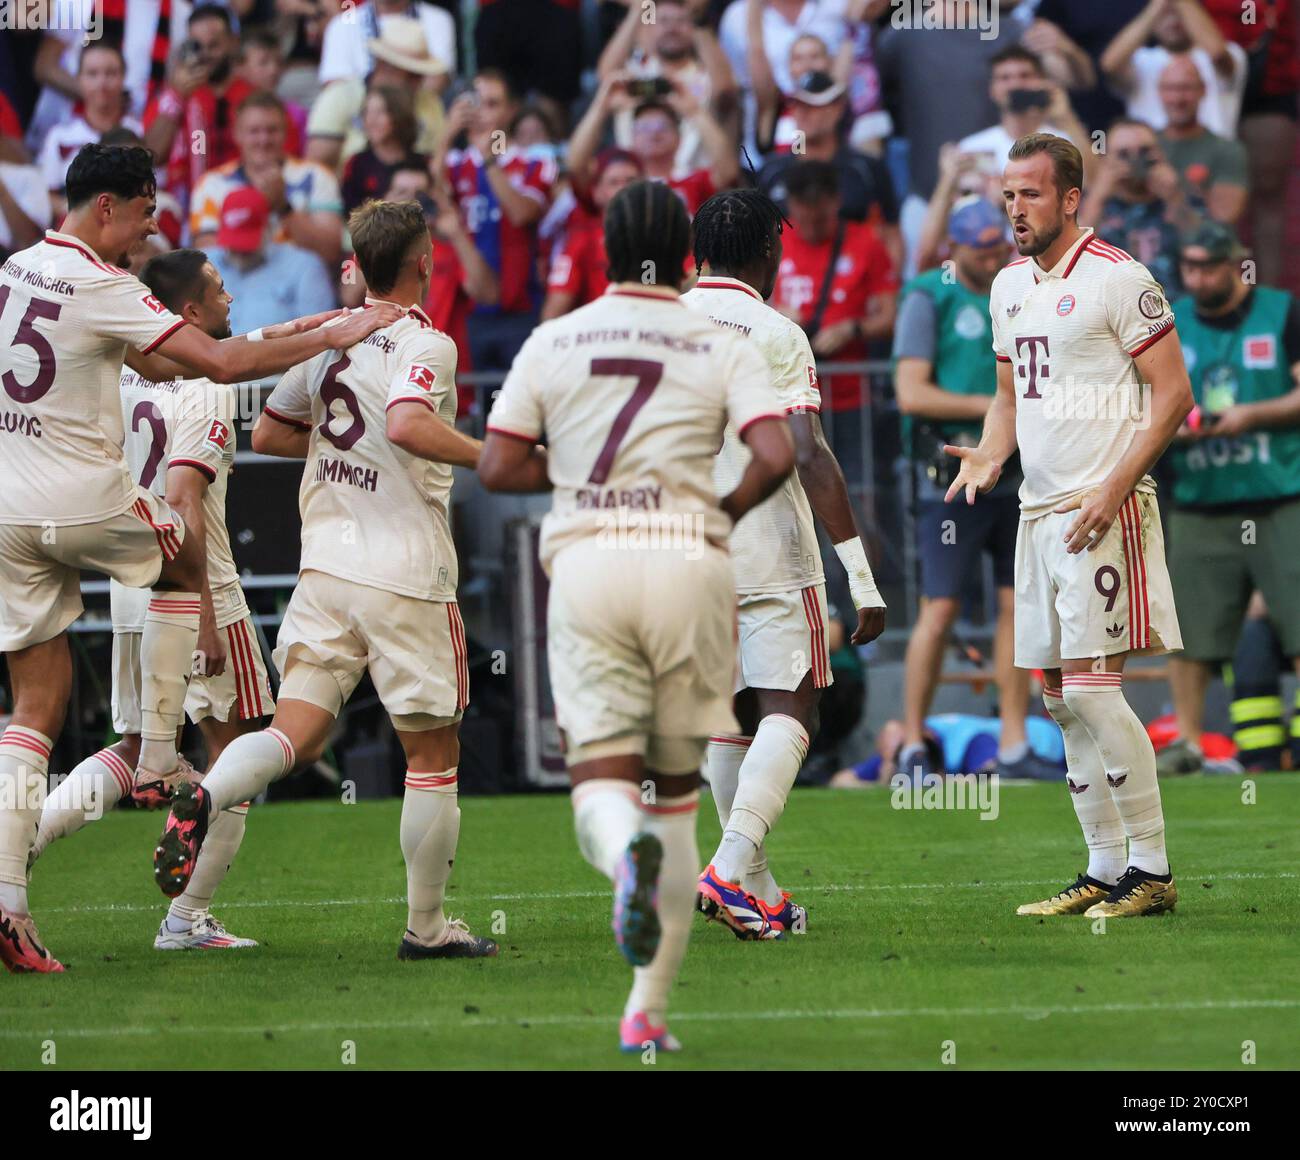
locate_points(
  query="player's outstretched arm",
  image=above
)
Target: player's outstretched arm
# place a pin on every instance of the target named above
(1170, 401)
(771, 450)
(512, 463)
(981, 466)
(236, 360)
(413, 426)
(823, 482)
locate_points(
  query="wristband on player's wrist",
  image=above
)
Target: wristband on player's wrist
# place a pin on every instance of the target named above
(254, 335)
(862, 585)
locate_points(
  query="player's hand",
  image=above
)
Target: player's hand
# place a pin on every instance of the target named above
(209, 650)
(361, 324)
(832, 339)
(302, 325)
(1097, 512)
(978, 472)
(871, 623)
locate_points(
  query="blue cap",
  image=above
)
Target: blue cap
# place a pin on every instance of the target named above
(975, 222)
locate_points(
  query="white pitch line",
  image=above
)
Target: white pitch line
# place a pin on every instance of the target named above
(849, 1014)
(558, 896)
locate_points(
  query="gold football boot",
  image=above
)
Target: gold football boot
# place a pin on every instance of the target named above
(1137, 893)
(1074, 899)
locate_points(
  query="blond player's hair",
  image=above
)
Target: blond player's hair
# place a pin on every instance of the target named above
(383, 234)
(1067, 161)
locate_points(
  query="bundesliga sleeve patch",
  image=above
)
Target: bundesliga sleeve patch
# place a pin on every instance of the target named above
(157, 307)
(422, 377)
(218, 436)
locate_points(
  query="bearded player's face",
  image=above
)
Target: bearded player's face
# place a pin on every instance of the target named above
(1035, 206)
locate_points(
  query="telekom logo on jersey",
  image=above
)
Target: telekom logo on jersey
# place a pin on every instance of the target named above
(1074, 398)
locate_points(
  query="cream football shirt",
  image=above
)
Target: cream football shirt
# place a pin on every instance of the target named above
(1071, 335)
(66, 318)
(774, 547)
(371, 512)
(190, 423)
(632, 393)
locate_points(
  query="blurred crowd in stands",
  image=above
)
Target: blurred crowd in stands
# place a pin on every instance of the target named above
(515, 122)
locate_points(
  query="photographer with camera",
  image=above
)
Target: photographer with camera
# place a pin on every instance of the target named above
(1236, 493)
(1137, 202)
(944, 387)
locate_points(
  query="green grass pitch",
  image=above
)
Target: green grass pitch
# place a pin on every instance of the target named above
(913, 945)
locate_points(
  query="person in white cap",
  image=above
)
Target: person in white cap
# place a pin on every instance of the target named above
(399, 58)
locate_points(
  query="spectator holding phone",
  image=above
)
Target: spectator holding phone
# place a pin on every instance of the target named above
(1137, 202)
(656, 136)
(1027, 102)
(503, 196)
(670, 49)
(198, 103)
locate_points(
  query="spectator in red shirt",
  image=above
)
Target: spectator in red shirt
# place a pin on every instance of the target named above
(11, 134)
(198, 103)
(837, 281)
(656, 136)
(503, 194)
(578, 268)
(460, 278)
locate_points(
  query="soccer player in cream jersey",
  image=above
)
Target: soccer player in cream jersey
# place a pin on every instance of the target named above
(377, 579)
(632, 394)
(783, 662)
(68, 319)
(1091, 388)
(180, 444)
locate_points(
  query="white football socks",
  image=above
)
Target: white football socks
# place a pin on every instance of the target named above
(24, 764)
(722, 761)
(215, 859)
(766, 776)
(606, 814)
(429, 832)
(246, 767)
(1103, 829)
(1129, 759)
(171, 630)
(93, 788)
(672, 821)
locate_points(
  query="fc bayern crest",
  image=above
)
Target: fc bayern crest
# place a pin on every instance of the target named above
(1065, 305)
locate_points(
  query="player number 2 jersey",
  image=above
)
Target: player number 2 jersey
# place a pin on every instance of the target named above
(1071, 335)
(632, 393)
(66, 319)
(774, 547)
(371, 512)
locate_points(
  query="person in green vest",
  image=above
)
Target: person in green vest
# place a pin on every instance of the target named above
(945, 380)
(1235, 524)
